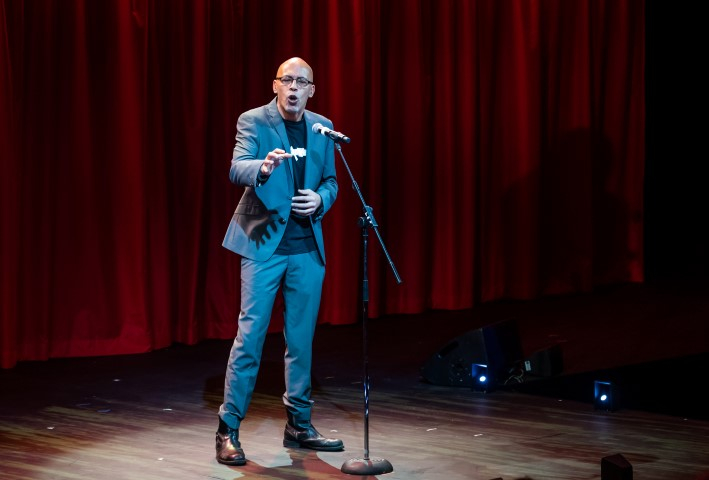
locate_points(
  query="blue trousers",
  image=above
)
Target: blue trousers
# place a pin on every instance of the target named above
(300, 277)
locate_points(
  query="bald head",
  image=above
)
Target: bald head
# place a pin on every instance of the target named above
(295, 63)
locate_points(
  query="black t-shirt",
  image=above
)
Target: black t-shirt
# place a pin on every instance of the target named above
(298, 237)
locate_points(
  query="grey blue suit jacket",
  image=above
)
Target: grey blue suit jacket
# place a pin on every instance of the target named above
(258, 224)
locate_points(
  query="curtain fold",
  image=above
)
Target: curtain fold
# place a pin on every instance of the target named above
(499, 143)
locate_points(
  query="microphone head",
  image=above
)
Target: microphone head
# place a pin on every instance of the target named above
(316, 127)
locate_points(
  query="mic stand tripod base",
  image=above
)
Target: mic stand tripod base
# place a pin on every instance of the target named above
(367, 466)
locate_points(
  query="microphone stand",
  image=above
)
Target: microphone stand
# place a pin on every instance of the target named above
(366, 465)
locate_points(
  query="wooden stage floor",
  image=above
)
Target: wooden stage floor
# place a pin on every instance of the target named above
(153, 416)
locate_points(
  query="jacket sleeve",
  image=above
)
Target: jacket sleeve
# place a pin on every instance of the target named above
(245, 165)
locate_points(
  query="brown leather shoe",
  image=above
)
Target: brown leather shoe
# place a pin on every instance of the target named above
(229, 450)
(310, 438)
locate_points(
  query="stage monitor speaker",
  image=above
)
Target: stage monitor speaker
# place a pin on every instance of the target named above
(616, 467)
(497, 346)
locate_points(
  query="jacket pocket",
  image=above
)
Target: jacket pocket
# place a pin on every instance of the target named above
(250, 209)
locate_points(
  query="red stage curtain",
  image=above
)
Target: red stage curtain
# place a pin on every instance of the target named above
(499, 142)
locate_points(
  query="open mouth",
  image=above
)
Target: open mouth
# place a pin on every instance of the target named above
(292, 99)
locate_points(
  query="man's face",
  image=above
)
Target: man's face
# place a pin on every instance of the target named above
(291, 97)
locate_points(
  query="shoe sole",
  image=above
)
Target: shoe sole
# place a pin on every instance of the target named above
(296, 444)
(232, 463)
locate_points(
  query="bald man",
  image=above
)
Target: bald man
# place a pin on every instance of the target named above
(288, 175)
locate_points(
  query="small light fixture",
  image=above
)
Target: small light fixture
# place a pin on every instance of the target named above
(605, 396)
(482, 377)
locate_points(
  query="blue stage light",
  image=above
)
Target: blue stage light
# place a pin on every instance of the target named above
(605, 396)
(482, 377)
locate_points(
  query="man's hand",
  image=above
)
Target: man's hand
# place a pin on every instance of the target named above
(306, 203)
(273, 160)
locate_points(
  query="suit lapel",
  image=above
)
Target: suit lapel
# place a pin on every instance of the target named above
(311, 140)
(277, 124)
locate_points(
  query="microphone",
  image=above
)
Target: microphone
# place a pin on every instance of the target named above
(336, 136)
